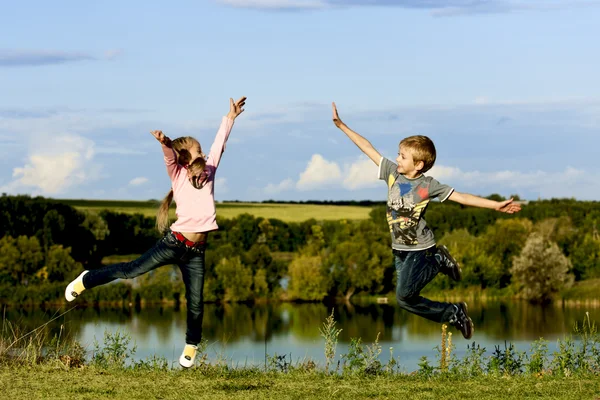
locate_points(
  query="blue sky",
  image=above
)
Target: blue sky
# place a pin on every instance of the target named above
(508, 90)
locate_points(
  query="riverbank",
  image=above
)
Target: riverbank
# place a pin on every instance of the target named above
(40, 364)
(581, 294)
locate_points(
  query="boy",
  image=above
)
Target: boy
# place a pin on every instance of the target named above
(416, 257)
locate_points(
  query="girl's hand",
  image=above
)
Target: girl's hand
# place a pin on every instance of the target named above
(160, 136)
(336, 118)
(236, 108)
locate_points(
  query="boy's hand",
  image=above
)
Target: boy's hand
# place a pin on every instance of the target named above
(507, 206)
(160, 136)
(336, 118)
(236, 108)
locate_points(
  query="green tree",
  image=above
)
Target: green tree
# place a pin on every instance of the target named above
(308, 280)
(260, 257)
(496, 197)
(96, 225)
(478, 266)
(541, 270)
(585, 257)
(8, 254)
(358, 266)
(504, 240)
(315, 242)
(559, 230)
(260, 286)
(20, 258)
(54, 226)
(244, 231)
(236, 279)
(59, 265)
(266, 232)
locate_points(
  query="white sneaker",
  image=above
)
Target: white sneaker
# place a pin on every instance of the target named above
(75, 288)
(188, 356)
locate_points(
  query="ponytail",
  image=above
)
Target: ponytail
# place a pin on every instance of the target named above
(162, 219)
(181, 146)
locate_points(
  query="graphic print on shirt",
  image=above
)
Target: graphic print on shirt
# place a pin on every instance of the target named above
(404, 209)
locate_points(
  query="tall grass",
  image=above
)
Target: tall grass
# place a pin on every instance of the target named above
(578, 354)
(38, 346)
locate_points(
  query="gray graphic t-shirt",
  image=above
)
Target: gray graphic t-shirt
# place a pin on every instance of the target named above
(406, 205)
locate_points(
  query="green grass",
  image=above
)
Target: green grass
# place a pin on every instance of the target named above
(35, 365)
(47, 382)
(283, 212)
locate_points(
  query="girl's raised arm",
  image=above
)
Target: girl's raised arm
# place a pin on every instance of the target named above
(218, 146)
(170, 155)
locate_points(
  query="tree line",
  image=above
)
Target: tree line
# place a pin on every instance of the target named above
(550, 244)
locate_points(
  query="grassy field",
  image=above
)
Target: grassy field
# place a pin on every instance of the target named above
(45, 382)
(283, 212)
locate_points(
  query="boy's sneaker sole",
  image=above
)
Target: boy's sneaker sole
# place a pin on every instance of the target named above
(452, 268)
(462, 321)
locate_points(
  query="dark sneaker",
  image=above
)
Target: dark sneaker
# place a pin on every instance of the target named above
(448, 265)
(461, 320)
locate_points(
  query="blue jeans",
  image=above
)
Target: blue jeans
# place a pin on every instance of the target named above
(414, 270)
(167, 250)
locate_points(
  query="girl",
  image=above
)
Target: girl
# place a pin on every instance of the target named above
(184, 243)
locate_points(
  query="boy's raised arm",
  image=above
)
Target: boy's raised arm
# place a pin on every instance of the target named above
(358, 140)
(506, 206)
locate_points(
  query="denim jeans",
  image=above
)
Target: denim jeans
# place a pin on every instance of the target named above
(414, 270)
(167, 250)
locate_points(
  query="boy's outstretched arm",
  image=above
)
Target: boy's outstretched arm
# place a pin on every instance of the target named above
(358, 140)
(506, 206)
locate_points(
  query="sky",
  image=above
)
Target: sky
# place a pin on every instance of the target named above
(509, 91)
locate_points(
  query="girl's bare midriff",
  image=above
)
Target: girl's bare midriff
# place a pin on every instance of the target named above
(195, 236)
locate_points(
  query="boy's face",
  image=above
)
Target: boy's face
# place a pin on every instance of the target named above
(406, 163)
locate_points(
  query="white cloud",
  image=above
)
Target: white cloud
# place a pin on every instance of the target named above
(361, 174)
(570, 182)
(282, 186)
(138, 181)
(55, 164)
(514, 179)
(319, 173)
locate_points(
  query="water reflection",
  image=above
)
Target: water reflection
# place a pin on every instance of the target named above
(239, 332)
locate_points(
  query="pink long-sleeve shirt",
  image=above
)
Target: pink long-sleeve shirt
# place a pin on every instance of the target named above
(196, 210)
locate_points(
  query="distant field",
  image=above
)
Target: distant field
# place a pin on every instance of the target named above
(283, 212)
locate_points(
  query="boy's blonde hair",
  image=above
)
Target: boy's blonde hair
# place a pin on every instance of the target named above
(422, 149)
